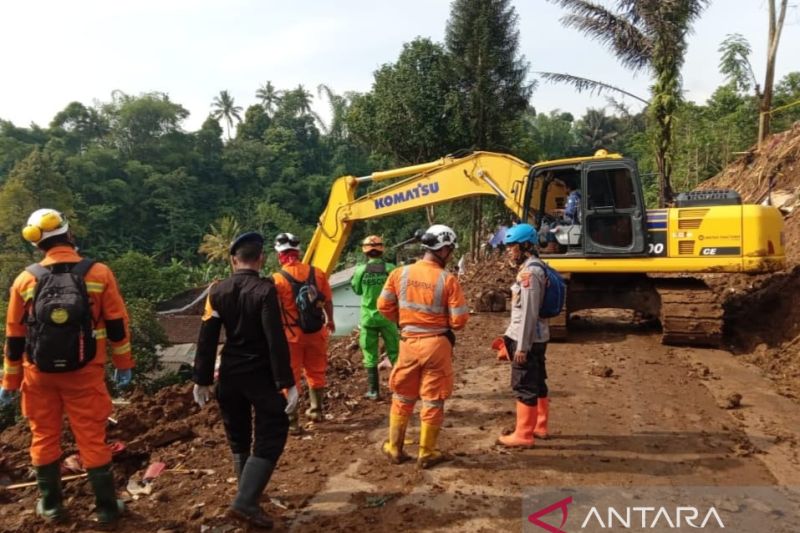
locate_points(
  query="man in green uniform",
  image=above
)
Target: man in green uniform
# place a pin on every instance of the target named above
(368, 282)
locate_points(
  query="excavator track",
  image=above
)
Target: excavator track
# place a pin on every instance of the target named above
(690, 312)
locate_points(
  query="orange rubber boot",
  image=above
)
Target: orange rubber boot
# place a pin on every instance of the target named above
(523, 433)
(541, 420)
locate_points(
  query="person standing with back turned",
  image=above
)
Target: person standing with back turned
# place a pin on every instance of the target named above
(428, 303)
(64, 313)
(254, 368)
(306, 300)
(368, 281)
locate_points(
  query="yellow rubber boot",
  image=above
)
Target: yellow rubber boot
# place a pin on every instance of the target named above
(543, 407)
(428, 454)
(523, 431)
(393, 448)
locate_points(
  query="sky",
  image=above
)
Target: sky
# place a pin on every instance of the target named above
(56, 51)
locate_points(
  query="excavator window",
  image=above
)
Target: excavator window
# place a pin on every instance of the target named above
(609, 198)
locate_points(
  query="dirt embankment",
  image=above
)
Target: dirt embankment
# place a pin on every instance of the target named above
(763, 323)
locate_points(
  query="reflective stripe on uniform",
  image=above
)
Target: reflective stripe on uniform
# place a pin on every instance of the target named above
(433, 330)
(11, 369)
(403, 399)
(438, 293)
(27, 294)
(99, 333)
(95, 286)
(433, 404)
(389, 296)
(121, 350)
(459, 310)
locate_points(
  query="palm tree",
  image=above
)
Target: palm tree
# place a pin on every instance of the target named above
(339, 104)
(647, 35)
(269, 96)
(216, 242)
(597, 130)
(224, 107)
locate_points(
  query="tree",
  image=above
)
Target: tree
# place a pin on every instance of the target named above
(546, 136)
(216, 243)
(483, 41)
(32, 184)
(269, 96)
(412, 113)
(735, 64)
(644, 35)
(775, 29)
(337, 129)
(597, 130)
(223, 106)
(80, 124)
(141, 125)
(256, 122)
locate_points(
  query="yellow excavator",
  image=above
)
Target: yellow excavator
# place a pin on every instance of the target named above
(616, 253)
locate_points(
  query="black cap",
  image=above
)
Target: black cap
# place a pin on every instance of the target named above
(250, 236)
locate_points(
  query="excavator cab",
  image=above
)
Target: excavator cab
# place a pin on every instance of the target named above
(588, 207)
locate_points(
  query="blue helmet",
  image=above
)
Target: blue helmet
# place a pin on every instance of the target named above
(521, 233)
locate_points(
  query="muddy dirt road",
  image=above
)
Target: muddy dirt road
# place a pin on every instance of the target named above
(659, 418)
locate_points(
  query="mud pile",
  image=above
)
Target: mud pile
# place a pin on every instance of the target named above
(761, 319)
(198, 484)
(773, 171)
(486, 283)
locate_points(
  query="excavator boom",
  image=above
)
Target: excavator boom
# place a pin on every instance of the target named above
(444, 180)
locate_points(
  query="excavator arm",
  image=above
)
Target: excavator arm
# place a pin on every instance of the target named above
(447, 179)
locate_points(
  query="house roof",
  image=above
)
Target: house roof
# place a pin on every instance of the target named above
(342, 277)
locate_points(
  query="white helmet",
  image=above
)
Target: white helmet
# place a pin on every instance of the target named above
(43, 224)
(439, 236)
(286, 241)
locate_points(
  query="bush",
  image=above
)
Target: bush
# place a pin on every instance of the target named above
(138, 276)
(147, 336)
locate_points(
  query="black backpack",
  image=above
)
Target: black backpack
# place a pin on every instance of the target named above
(309, 302)
(60, 335)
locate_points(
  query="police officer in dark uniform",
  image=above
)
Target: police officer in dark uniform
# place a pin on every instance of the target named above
(254, 369)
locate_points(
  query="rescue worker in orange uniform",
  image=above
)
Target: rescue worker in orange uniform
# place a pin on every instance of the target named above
(526, 338)
(427, 302)
(70, 381)
(308, 350)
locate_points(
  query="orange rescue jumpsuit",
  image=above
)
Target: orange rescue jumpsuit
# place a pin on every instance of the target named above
(427, 302)
(308, 351)
(82, 394)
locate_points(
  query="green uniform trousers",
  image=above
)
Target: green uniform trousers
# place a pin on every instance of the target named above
(368, 340)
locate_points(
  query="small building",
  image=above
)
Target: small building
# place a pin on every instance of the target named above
(346, 303)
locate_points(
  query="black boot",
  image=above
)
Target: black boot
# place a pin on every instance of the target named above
(107, 506)
(373, 382)
(239, 460)
(48, 479)
(255, 476)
